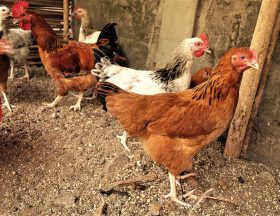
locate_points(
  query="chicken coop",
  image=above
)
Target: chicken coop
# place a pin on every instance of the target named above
(161, 78)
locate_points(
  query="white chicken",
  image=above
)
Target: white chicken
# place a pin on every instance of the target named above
(21, 41)
(175, 76)
(86, 33)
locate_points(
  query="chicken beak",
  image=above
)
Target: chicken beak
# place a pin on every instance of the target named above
(73, 14)
(207, 50)
(254, 65)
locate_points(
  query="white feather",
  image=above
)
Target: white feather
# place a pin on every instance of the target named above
(149, 82)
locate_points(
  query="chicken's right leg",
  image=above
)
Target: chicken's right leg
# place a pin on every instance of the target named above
(12, 76)
(123, 138)
(6, 102)
(26, 73)
(173, 193)
(55, 102)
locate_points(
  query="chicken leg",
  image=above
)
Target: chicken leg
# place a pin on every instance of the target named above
(55, 102)
(77, 106)
(123, 138)
(173, 193)
(26, 73)
(6, 102)
(12, 65)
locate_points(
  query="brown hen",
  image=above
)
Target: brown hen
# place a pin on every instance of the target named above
(174, 127)
(68, 63)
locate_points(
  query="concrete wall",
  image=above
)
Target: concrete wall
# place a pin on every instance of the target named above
(148, 30)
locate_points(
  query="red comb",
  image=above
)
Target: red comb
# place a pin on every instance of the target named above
(19, 7)
(203, 37)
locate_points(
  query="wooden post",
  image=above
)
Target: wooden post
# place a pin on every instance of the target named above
(250, 81)
(65, 19)
(266, 69)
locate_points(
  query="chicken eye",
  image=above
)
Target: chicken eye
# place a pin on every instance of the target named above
(198, 44)
(242, 57)
(3, 9)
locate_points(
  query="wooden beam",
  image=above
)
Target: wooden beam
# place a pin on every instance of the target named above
(65, 19)
(260, 42)
(263, 79)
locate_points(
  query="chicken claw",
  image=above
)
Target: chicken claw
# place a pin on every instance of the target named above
(55, 102)
(77, 106)
(6, 102)
(191, 174)
(123, 139)
(172, 194)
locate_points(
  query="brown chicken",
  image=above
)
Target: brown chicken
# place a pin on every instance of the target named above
(200, 76)
(174, 127)
(68, 63)
(5, 49)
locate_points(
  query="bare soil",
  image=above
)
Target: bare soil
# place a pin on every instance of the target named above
(61, 162)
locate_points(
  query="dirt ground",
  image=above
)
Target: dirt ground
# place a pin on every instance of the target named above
(61, 162)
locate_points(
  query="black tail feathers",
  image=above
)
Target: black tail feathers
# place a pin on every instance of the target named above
(109, 32)
(104, 89)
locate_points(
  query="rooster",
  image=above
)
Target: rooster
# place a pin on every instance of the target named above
(21, 41)
(67, 62)
(174, 127)
(175, 76)
(5, 50)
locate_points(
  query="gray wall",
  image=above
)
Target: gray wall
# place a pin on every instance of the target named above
(148, 30)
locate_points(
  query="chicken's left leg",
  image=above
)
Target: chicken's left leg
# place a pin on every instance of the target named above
(6, 102)
(123, 138)
(12, 65)
(77, 106)
(55, 102)
(173, 193)
(26, 73)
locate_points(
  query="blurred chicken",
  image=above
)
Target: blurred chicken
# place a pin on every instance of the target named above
(86, 33)
(200, 76)
(174, 127)
(21, 41)
(5, 50)
(67, 62)
(175, 76)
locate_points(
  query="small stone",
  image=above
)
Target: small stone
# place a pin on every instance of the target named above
(154, 208)
(67, 200)
(240, 179)
(54, 115)
(222, 183)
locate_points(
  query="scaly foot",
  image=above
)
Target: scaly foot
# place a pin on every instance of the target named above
(26, 76)
(123, 139)
(9, 106)
(75, 107)
(175, 199)
(54, 103)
